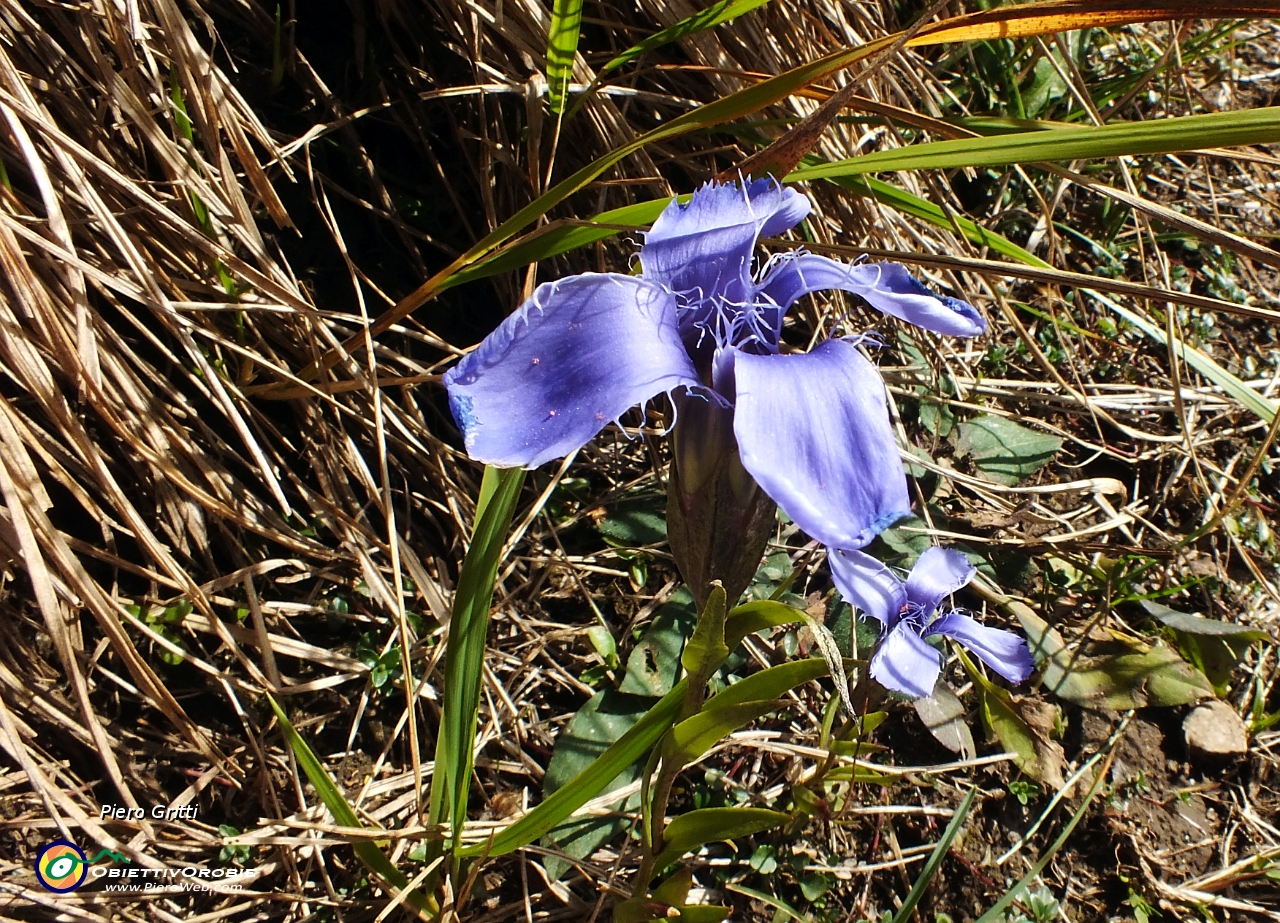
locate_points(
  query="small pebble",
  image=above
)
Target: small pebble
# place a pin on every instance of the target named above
(1213, 729)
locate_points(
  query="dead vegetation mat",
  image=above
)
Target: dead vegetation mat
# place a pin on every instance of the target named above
(202, 199)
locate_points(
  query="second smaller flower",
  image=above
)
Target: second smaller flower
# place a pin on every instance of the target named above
(907, 610)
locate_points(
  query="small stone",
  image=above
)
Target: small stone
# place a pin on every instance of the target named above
(1213, 729)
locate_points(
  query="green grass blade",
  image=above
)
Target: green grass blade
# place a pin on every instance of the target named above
(913, 205)
(935, 858)
(712, 16)
(555, 239)
(1264, 408)
(648, 731)
(342, 812)
(562, 49)
(996, 913)
(464, 656)
(1158, 136)
(588, 783)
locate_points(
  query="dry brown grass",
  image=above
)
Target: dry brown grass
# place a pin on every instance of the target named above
(138, 470)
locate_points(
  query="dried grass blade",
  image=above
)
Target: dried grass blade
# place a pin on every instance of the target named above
(1044, 18)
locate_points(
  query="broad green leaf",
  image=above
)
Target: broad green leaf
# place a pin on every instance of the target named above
(1155, 136)
(635, 522)
(714, 15)
(675, 890)
(1214, 648)
(1005, 451)
(464, 656)
(343, 814)
(1118, 674)
(707, 650)
(710, 825)
(599, 724)
(1191, 624)
(695, 736)
(562, 48)
(751, 617)
(702, 913)
(654, 664)
(935, 858)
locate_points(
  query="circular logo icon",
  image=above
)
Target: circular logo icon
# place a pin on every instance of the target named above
(61, 867)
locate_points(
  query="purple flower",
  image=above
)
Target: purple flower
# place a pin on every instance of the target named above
(811, 429)
(904, 662)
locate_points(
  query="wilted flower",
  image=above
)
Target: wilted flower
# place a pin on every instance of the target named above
(904, 662)
(811, 430)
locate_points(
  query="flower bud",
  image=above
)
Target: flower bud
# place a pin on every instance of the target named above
(718, 518)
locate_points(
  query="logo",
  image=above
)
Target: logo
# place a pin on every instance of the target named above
(61, 867)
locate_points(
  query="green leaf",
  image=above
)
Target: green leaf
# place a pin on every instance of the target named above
(1213, 647)
(937, 418)
(464, 656)
(751, 617)
(695, 736)
(599, 724)
(1005, 451)
(588, 783)
(654, 664)
(712, 16)
(771, 683)
(342, 812)
(707, 650)
(1118, 674)
(636, 522)
(1155, 136)
(1035, 754)
(709, 825)
(562, 48)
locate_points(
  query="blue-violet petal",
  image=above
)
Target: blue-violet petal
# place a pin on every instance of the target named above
(905, 664)
(867, 584)
(702, 250)
(574, 357)
(1002, 651)
(887, 287)
(938, 573)
(813, 430)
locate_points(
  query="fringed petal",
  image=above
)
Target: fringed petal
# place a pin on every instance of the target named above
(887, 287)
(575, 356)
(813, 430)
